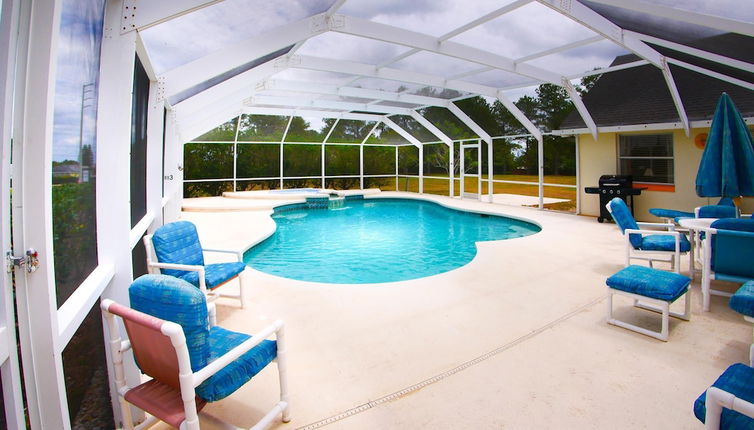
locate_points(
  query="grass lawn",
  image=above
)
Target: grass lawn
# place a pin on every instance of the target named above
(440, 186)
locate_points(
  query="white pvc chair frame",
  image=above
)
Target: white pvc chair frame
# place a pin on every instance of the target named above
(673, 257)
(661, 306)
(707, 274)
(190, 380)
(154, 267)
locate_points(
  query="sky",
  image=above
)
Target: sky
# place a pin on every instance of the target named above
(527, 30)
(76, 80)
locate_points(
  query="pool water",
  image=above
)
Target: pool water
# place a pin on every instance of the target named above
(377, 240)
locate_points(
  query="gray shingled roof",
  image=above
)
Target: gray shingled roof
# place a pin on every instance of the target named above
(639, 95)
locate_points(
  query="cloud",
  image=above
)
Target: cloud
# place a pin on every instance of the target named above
(76, 78)
(212, 28)
(371, 9)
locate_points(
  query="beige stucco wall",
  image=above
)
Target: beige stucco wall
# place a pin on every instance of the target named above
(600, 157)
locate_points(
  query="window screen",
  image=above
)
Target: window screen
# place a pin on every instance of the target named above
(647, 157)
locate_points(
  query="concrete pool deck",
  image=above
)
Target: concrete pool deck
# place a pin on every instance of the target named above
(515, 339)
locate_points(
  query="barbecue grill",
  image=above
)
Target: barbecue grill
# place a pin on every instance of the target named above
(611, 186)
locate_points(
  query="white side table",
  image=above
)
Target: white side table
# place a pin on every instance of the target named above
(695, 226)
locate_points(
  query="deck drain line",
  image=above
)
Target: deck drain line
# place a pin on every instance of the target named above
(453, 371)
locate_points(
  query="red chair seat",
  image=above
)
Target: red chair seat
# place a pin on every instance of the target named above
(161, 400)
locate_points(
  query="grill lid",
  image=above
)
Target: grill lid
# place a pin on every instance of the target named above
(616, 181)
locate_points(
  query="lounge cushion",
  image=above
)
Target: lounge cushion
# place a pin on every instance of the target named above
(743, 300)
(648, 282)
(738, 380)
(670, 213)
(232, 376)
(718, 211)
(177, 243)
(622, 216)
(215, 274)
(663, 242)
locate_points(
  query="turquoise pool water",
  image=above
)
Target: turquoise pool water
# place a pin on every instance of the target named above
(376, 240)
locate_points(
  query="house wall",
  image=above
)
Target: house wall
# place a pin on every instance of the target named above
(600, 157)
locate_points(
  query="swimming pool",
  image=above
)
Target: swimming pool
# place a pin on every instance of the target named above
(376, 240)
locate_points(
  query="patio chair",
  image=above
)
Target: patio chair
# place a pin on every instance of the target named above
(743, 303)
(728, 253)
(729, 402)
(651, 245)
(174, 249)
(190, 362)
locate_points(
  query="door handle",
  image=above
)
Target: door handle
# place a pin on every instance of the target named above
(30, 260)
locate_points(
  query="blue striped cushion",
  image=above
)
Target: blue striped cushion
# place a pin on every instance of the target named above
(648, 282)
(215, 274)
(743, 300)
(662, 242)
(178, 243)
(232, 376)
(622, 216)
(175, 300)
(738, 380)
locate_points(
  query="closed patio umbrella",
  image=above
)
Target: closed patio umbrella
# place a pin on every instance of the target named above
(727, 165)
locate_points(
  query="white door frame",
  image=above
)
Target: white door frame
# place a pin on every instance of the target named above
(44, 329)
(9, 368)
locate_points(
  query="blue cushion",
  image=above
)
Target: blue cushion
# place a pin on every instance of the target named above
(663, 242)
(178, 243)
(175, 300)
(622, 216)
(215, 274)
(738, 224)
(232, 376)
(733, 249)
(743, 300)
(718, 211)
(648, 282)
(670, 213)
(738, 380)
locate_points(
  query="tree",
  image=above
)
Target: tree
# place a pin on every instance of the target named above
(87, 157)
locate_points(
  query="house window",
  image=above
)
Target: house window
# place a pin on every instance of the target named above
(646, 157)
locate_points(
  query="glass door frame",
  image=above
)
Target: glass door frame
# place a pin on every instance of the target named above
(462, 172)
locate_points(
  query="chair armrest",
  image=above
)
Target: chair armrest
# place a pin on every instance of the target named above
(238, 254)
(718, 399)
(172, 266)
(665, 233)
(232, 355)
(675, 234)
(657, 224)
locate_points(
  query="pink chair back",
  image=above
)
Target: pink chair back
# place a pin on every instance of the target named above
(154, 352)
